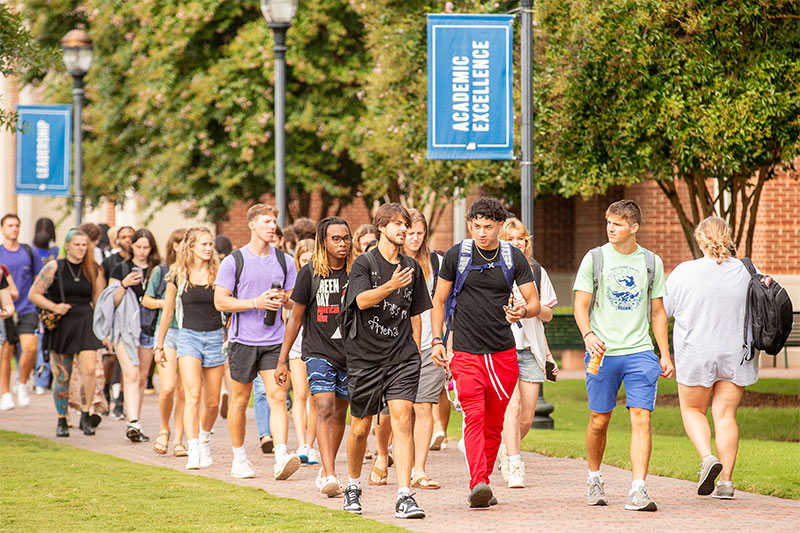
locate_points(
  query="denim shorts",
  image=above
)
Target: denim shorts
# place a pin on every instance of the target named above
(171, 340)
(324, 377)
(639, 371)
(204, 345)
(146, 341)
(529, 369)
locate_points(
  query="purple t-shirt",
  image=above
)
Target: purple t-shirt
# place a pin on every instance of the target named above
(22, 272)
(257, 276)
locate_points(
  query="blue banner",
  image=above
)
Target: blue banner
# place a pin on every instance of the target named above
(43, 149)
(469, 87)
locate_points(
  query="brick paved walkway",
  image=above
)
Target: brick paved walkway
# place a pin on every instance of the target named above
(553, 498)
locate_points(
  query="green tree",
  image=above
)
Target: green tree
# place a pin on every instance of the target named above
(701, 93)
(180, 103)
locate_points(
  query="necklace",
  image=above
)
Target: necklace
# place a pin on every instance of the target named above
(75, 277)
(497, 251)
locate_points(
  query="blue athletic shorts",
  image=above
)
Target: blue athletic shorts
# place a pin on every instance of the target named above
(324, 377)
(204, 345)
(639, 371)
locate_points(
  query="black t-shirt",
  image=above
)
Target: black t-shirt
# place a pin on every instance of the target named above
(385, 335)
(3, 281)
(199, 313)
(479, 324)
(321, 335)
(109, 263)
(128, 266)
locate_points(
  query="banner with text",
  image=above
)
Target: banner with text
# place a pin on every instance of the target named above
(469, 87)
(43, 162)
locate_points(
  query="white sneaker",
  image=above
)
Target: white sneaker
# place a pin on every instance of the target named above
(205, 454)
(39, 390)
(242, 469)
(23, 399)
(502, 460)
(330, 487)
(194, 459)
(286, 466)
(7, 402)
(313, 457)
(462, 446)
(516, 475)
(302, 453)
(319, 480)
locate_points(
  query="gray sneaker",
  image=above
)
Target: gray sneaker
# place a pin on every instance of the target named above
(596, 493)
(639, 500)
(709, 471)
(723, 492)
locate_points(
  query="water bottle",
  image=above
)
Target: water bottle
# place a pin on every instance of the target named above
(269, 316)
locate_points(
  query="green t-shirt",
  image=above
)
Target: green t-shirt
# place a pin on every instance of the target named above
(152, 287)
(621, 320)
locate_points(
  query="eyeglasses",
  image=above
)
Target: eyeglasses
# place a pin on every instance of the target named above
(338, 239)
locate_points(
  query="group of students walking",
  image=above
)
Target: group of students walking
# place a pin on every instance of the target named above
(378, 325)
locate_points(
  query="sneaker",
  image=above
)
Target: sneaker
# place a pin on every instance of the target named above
(516, 475)
(596, 493)
(437, 439)
(352, 499)
(462, 447)
(133, 432)
(313, 456)
(286, 466)
(480, 496)
(639, 500)
(205, 454)
(193, 463)
(406, 507)
(7, 402)
(502, 461)
(302, 453)
(118, 413)
(724, 491)
(319, 480)
(242, 469)
(330, 487)
(23, 400)
(39, 390)
(709, 471)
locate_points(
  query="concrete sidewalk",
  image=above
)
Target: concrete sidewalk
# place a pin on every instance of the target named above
(553, 499)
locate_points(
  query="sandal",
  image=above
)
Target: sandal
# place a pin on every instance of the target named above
(425, 483)
(179, 450)
(380, 473)
(267, 444)
(159, 446)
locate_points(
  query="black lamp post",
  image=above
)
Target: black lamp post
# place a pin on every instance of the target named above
(279, 14)
(77, 48)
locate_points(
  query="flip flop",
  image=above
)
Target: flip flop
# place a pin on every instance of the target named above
(425, 483)
(161, 447)
(179, 450)
(380, 473)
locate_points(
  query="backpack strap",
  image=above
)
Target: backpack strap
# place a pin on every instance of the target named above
(373, 268)
(238, 259)
(748, 311)
(435, 265)
(316, 279)
(30, 255)
(650, 264)
(597, 273)
(537, 275)
(462, 271)
(281, 256)
(507, 255)
(162, 283)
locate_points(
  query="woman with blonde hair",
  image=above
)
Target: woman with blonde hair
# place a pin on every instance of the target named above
(364, 235)
(171, 388)
(708, 298)
(533, 354)
(190, 297)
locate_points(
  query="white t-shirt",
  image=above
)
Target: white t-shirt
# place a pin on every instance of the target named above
(708, 302)
(531, 334)
(427, 334)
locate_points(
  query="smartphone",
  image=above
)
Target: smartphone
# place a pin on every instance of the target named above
(138, 270)
(549, 371)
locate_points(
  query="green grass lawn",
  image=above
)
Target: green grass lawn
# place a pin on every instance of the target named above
(768, 463)
(47, 486)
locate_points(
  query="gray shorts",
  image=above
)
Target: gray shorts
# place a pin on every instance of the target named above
(28, 324)
(247, 361)
(431, 379)
(529, 369)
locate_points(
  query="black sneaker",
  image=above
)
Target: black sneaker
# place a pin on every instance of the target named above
(133, 432)
(480, 496)
(352, 499)
(406, 507)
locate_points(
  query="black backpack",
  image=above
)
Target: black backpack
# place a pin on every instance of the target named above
(239, 260)
(770, 309)
(148, 318)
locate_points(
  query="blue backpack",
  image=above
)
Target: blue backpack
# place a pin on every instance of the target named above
(465, 266)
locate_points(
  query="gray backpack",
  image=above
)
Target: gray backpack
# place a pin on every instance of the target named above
(597, 273)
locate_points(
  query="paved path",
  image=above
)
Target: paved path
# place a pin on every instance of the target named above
(553, 498)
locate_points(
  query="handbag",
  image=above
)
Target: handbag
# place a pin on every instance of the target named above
(50, 319)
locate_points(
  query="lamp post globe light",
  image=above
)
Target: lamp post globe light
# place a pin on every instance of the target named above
(279, 14)
(77, 49)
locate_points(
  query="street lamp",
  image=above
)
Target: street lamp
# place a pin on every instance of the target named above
(77, 48)
(279, 15)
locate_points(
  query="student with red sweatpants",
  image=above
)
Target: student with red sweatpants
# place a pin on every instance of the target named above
(484, 361)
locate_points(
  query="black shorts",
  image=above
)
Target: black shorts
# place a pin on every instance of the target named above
(371, 388)
(28, 324)
(247, 361)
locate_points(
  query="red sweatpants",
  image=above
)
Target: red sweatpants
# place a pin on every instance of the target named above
(484, 384)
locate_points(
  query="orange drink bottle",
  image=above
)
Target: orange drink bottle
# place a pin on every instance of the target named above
(594, 364)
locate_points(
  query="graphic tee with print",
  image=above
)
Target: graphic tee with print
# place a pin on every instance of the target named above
(621, 320)
(384, 336)
(321, 335)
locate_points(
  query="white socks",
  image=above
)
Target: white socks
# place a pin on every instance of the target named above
(240, 453)
(514, 459)
(280, 450)
(597, 475)
(205, 436)
(636, 484)
(193, 443)
(403, 491)
(354, 482)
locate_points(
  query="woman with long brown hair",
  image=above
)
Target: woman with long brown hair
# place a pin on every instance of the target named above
(69, 287)
(190, 296)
